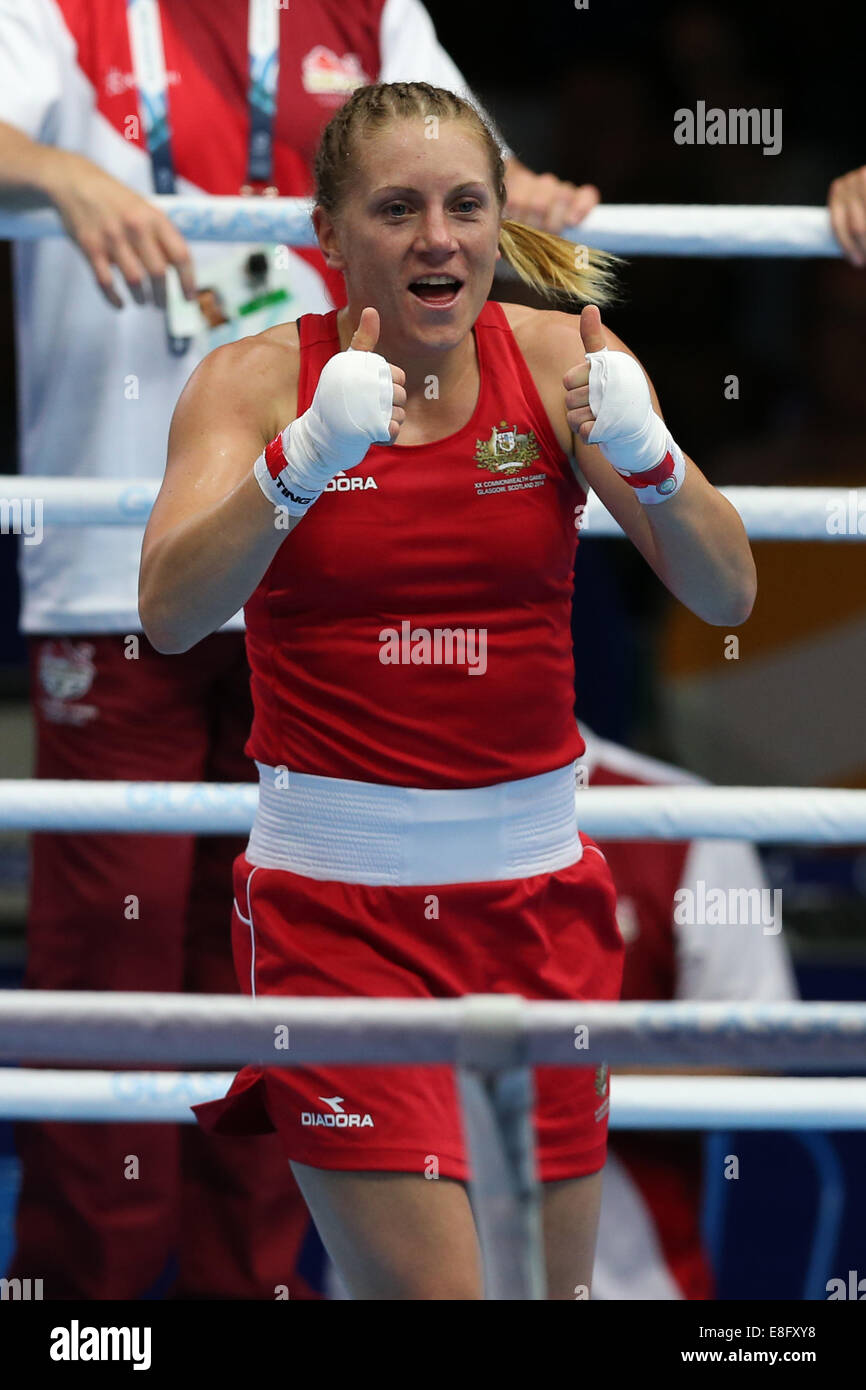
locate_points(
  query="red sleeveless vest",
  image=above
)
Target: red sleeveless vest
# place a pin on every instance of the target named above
(414, 628)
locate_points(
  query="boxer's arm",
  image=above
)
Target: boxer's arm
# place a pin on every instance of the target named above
(695, 543)
(694, 540)
(212, 532)
(243, 469)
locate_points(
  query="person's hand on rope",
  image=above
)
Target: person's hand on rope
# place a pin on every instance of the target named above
(543, 200)
(846, 201)
(116, 229)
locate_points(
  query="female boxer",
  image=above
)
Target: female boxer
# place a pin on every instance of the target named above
(392, 490)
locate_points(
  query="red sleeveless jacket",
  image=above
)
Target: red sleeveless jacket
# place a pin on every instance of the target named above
(463, 548)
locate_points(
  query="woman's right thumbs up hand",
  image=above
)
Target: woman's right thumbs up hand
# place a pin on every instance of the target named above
(358, 401)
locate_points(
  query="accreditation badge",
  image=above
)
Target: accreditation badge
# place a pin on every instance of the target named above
(243, 291)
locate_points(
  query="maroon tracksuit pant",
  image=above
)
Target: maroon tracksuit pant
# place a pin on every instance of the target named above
(223, 1212)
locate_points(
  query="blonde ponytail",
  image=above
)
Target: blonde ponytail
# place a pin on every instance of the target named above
(556, 267)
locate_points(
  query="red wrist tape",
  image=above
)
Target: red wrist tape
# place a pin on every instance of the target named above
(655, 477)
(274, 456)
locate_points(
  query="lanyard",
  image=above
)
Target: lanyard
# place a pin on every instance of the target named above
(263, 45)
(148, 60)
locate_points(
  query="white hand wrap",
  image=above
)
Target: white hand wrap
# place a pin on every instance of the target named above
(350, 410)
(635, 440)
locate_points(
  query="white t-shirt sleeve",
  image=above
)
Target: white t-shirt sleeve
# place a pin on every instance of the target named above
(30, 67)
(746, 960)
(411, 52)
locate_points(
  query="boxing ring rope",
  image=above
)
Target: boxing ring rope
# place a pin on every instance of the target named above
(768, 513)
(772, 815)
(655, 229)
(486, 1031)
(636, 1102)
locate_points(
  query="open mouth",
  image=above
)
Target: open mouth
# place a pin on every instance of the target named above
(440, 291)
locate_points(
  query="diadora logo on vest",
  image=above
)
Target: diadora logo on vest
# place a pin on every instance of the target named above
(343, 482)
(506, 451)
(325, 74)
(337, 1117)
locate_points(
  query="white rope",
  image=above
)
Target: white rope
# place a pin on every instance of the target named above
(772, 815)
(489, 1032)
(772, 513)
(158, 1096)
(629, 229)
(78, 501)
(636, 1102)
(201, 808)
(769, 513)
(737, 1102)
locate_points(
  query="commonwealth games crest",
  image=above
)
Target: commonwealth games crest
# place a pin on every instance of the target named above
(506, 451)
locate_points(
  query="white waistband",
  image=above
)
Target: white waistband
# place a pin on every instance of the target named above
(364, 832)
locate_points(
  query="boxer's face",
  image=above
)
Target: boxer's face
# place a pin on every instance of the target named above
(421, 204)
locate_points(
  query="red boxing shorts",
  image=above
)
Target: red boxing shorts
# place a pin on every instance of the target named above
(551, 936)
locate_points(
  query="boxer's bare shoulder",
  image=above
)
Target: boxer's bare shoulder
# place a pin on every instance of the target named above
(256, 376)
